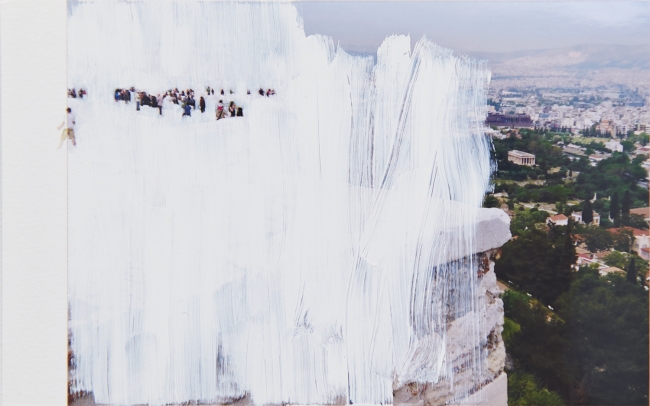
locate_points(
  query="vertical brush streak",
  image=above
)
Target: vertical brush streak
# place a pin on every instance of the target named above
(314, 250)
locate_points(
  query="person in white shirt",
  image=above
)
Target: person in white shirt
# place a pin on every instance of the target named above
(68, 131)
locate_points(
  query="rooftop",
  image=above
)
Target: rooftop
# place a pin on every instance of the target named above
(643, 211)
(635, 231)
(520, 154)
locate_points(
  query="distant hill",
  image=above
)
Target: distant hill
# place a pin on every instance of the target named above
(576, 58)
(569, 60)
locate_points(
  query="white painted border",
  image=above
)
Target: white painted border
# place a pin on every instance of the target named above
(33, 203)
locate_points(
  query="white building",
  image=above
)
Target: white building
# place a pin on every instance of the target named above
(641, 242)
(577, 217)
(521, 158)
(614, 146)
(595, 158)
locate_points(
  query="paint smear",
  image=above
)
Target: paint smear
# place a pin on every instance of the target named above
(312, 251)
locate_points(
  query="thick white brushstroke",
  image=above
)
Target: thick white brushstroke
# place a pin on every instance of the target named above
(312, 251)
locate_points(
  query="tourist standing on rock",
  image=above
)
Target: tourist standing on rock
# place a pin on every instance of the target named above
(146, 101)
(187, 110)
(232, 109)
(202, 104)
(160, 103)
(68, 131)
(220, 110)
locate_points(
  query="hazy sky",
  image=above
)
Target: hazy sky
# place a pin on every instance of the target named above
(480, 26)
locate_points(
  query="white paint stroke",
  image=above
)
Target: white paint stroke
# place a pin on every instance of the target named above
(300, 254)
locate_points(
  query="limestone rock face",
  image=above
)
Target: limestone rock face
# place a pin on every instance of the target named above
(490, 323)
(488, 385)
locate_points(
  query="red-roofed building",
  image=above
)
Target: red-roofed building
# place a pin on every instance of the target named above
(558, 220)
(642, 151)
(590, 260)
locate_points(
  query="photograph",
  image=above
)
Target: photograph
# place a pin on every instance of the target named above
(354, 202)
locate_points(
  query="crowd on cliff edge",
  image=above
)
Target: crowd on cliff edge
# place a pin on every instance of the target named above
(186, 99)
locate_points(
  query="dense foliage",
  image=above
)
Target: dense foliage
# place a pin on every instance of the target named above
(621, 260)
(540, 344)
(591, 346)
(607, 338)
(545, 269)
(524, 390)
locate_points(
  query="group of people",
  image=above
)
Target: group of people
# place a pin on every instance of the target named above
(232, 111)
(182, 97)
(124, 94)
(186, 99)
(269, 92)
(73, 93)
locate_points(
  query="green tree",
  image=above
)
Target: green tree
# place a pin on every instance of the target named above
(623, 240)
(625, 208)
(596, 238)
(617, 259)
(627, 146)
(524, 390)
(539, 345)
(510, 328)
(623, 261)
(565, 251)
(607, 347)
(526, 220)
(637, 221)
(490, 201)
(631, 273)
(537, 264)
(587, 212)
